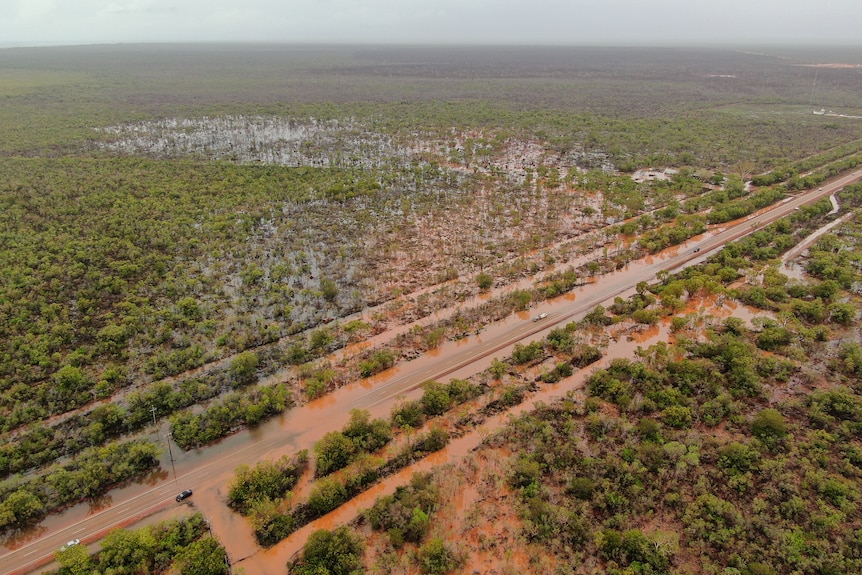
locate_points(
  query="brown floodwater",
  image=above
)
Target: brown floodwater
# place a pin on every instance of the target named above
(274, 559)
(792, 268)
(209, 470)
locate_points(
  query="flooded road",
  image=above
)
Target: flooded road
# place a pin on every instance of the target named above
(209, 470)
(273, 560)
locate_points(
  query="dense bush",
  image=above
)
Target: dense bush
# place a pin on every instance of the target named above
(360, 435)
(180, 544)
(337, 552)
(268, 480)
(526, 353)
(379, 361)
(236, 410)
(87, 475)
(404, 515)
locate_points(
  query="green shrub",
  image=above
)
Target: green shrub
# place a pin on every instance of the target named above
(326, 495)
(436, 558)
(337, 552)
(408, 414)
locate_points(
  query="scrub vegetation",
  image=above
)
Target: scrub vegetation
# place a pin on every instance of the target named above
(181, 545)
(685, 454)
(179, 229)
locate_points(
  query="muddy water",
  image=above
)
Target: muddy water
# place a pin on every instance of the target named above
(273, 560)
(209, 470)
(793, 269)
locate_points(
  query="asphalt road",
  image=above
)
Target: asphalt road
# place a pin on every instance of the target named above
(604, 290)
(209, 470)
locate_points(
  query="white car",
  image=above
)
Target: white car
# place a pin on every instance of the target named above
(541, 316)
(69, 544)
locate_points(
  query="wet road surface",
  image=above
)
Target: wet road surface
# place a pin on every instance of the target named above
(209, 470)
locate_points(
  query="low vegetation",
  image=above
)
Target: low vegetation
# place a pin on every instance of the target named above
(164, 254)
(181, 545)
(698, 452)
(267, 481)
(28, 499)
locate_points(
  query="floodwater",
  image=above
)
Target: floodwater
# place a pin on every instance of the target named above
(274, 559)
(790, 267)
(209, 470)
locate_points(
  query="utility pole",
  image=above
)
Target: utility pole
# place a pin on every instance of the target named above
(171, 453)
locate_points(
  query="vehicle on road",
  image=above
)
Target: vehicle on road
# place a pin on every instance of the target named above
(70, 544)
(541, 316)
(184, 495)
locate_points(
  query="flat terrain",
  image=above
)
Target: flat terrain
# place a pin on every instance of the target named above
(200, 239)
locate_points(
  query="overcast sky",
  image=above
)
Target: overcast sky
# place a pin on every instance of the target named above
(617, 22)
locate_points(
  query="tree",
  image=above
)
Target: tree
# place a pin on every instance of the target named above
(435, 400)
(334, 451)
(126, 551)
(524, 472)
(408, 414)
(773, 337)
(520, 299)
(582, 488)
(522, 354)
(337, 552)
(327, 495)
(498, 369)
(677, 416)
(367, 435)
(769, 426)
(69, 380)
(267, 480)
(243, 367)
(597, 317)
(75, 560)
(329, 289)
(418, 527)
(380, 360)
(561, 340)
(319, 339)
(19, 507)
(843, 313)
(484, 281)
(435, 557)
(714, 520)
(203, 557)
(737, 458)
(189, 307)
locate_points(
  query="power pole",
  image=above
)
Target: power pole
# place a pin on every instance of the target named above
(171, 453)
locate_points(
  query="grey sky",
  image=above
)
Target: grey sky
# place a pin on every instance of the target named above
(619, 22)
